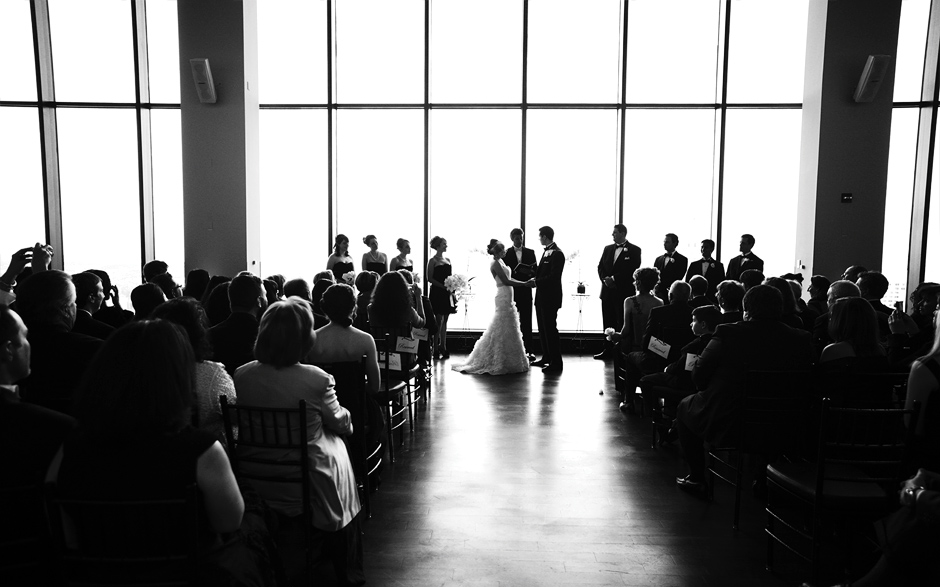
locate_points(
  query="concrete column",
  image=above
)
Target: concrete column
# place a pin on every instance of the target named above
(220, 141)
(844, 144)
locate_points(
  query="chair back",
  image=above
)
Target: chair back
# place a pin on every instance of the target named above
(774, 406)
(145, 542)
(864, 445)
(24, 535)
(677, 337)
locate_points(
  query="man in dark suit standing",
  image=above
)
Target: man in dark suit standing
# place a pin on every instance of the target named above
(708, 268)
(746, 260)
(616, 267)
(759, 343)
(548, 301)
(671, 265)
(89, 294)
(521, 261)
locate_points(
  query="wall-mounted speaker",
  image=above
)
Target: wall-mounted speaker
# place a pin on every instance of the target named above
(876, 68)
(202, 76)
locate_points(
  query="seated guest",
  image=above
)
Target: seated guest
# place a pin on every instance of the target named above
(675, 382)
(669, 325)
(855, 347)
(790, 309)
(317, 294)
(270, 290)
(170, 288)
(114, 315)
(838, 290)
(430, 320)
(135, 440)
(797, 290)
(327, 275)
(59, 357)
(923, 385)
(88, 297)
(873, 286)
(699, 287)
(153, 268)
(762, 343)
(216, 304)
(145, 298)
(279, 281)
(713, 271)
(212, 380)
(751, 277)
(394, 308)
(297, 288)
(852, 272)
(818, 290)
(340, 340)
(730, 296)
(197, 281)
(636, 310)
(38, 258)
(278, 379)
(214, 282)
(233, 340)
(365, 283)
(30, 436)
(912, 335)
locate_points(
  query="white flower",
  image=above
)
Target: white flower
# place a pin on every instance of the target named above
(349, 277)
(609, 332)
(456, 283)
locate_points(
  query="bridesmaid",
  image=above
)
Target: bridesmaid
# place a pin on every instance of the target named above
(439, 269)
(402, 261)
(374, 260)
(340, 262)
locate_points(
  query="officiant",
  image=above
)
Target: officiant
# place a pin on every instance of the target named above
(521, 261)
(615, 269)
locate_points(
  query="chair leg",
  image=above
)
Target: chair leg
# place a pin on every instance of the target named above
(389, 432)
(739, 478)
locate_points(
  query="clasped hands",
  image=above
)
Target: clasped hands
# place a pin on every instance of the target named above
(531, 283)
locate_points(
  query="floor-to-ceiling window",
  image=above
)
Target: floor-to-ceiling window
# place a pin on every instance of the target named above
(415, 118)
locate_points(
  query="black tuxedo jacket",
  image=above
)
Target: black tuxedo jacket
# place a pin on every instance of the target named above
(621, 270)
(548, 278)
(668, 273)
(671, 324)
(528, 258)
(87, 325)
(739, 265)
(756, 345)
(715, 274)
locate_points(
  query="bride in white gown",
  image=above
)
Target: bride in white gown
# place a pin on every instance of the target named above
(500, 350)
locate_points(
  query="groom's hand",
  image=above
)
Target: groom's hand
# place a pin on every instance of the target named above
(609, 281)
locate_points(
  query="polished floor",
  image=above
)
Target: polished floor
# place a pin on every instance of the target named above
(532, 479)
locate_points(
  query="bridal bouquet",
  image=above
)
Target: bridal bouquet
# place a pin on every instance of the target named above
(349, 278)
(456, 283)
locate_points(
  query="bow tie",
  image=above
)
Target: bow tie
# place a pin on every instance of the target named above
(745, 255)
(619, 246)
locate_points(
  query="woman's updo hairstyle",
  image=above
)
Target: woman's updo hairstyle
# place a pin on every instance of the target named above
(338, 303)
(400, 243)
(340, 239)
(436, 242)
(494, 246)
(368, 239)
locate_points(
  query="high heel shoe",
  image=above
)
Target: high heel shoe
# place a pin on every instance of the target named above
(445, 354)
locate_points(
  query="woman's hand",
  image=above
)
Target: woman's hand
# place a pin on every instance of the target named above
(901, 323)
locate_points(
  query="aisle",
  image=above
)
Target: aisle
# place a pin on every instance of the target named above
(527, 480)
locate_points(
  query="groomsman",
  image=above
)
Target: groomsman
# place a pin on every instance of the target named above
(521, 261)
(671, 265)
(615, 269)
(548, 299)
(708, 268)
(746, 260)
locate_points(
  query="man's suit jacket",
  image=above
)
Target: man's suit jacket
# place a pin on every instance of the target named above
(58, 361)
(735, 349)
(715, 274)
(89, 326)
(879, 307)
(233, 340)
(621, 270)
(548, 278)
(521, 294)
(740, 264)
(32, 435)
(669, 273)
(671, 324)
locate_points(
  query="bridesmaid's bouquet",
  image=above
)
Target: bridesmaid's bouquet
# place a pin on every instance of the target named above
(349, 278)
(608, 333)
(456, 284)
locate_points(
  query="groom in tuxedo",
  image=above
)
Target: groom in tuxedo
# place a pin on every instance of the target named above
(548, 300)
(521, 261)
(616, 267)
